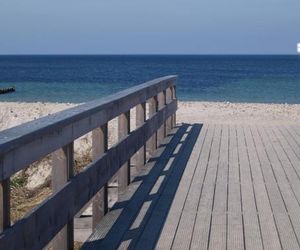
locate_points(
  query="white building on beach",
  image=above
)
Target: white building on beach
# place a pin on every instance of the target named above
(298, 48)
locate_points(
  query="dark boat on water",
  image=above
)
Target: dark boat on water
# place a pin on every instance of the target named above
(7, 90)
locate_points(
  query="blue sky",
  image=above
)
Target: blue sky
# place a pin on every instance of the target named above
(149, 27)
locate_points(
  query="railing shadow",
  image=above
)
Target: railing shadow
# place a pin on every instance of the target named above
(138, 217)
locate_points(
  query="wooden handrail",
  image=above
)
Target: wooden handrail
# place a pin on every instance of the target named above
(34, 140)
(22, 145)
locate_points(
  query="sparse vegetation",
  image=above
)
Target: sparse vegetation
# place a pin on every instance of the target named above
(18, 181)
(23, 200)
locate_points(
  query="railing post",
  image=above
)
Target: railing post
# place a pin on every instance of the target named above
(173, 89)
(99, 146)
(124, 171)
(4, 204)
(168, 100)
(153, 108)
(62, 170)
(140, 120)
(161, 132)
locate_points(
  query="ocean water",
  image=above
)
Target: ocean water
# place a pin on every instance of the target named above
(268, 79)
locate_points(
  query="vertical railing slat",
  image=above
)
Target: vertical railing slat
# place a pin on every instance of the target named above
(140, 120)
(124, 171)
(168, 100)
(173, 88)
(165, 103)
(62, 170)
(161, 131)
(153, 108)
(4, 204)
(99, 146)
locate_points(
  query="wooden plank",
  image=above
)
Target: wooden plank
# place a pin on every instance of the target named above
(290, 146)
(289, 160)
(186, 217)
(283, 222)
(161, 131)
(34, 140)
(191, 175)
(201, 233)
(4, 204)
(218, 231)
(235, 231)
(52, 214)
(118, 233)
(62, 171)
(296, 129)
(286, 178)
(124, 172)
(140, 157)
(292, 139)
(294, 134)
(100, 200)
(250, 217)
(152, 168)
(163, 200)
(114, 216)
(268, 226)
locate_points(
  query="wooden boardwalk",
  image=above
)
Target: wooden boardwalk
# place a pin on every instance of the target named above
(212, 187)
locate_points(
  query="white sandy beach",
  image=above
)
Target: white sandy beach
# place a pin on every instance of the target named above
(249, 113)
(12, 114)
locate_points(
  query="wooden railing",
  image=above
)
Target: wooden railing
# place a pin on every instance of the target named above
(52, 220)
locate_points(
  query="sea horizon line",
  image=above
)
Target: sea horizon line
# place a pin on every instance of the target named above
(267, 54)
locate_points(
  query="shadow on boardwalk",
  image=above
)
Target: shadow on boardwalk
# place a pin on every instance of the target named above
(138, 217)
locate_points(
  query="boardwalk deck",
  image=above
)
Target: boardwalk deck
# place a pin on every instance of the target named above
(212, 186)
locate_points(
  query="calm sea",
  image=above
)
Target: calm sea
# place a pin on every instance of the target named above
(270, 79)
